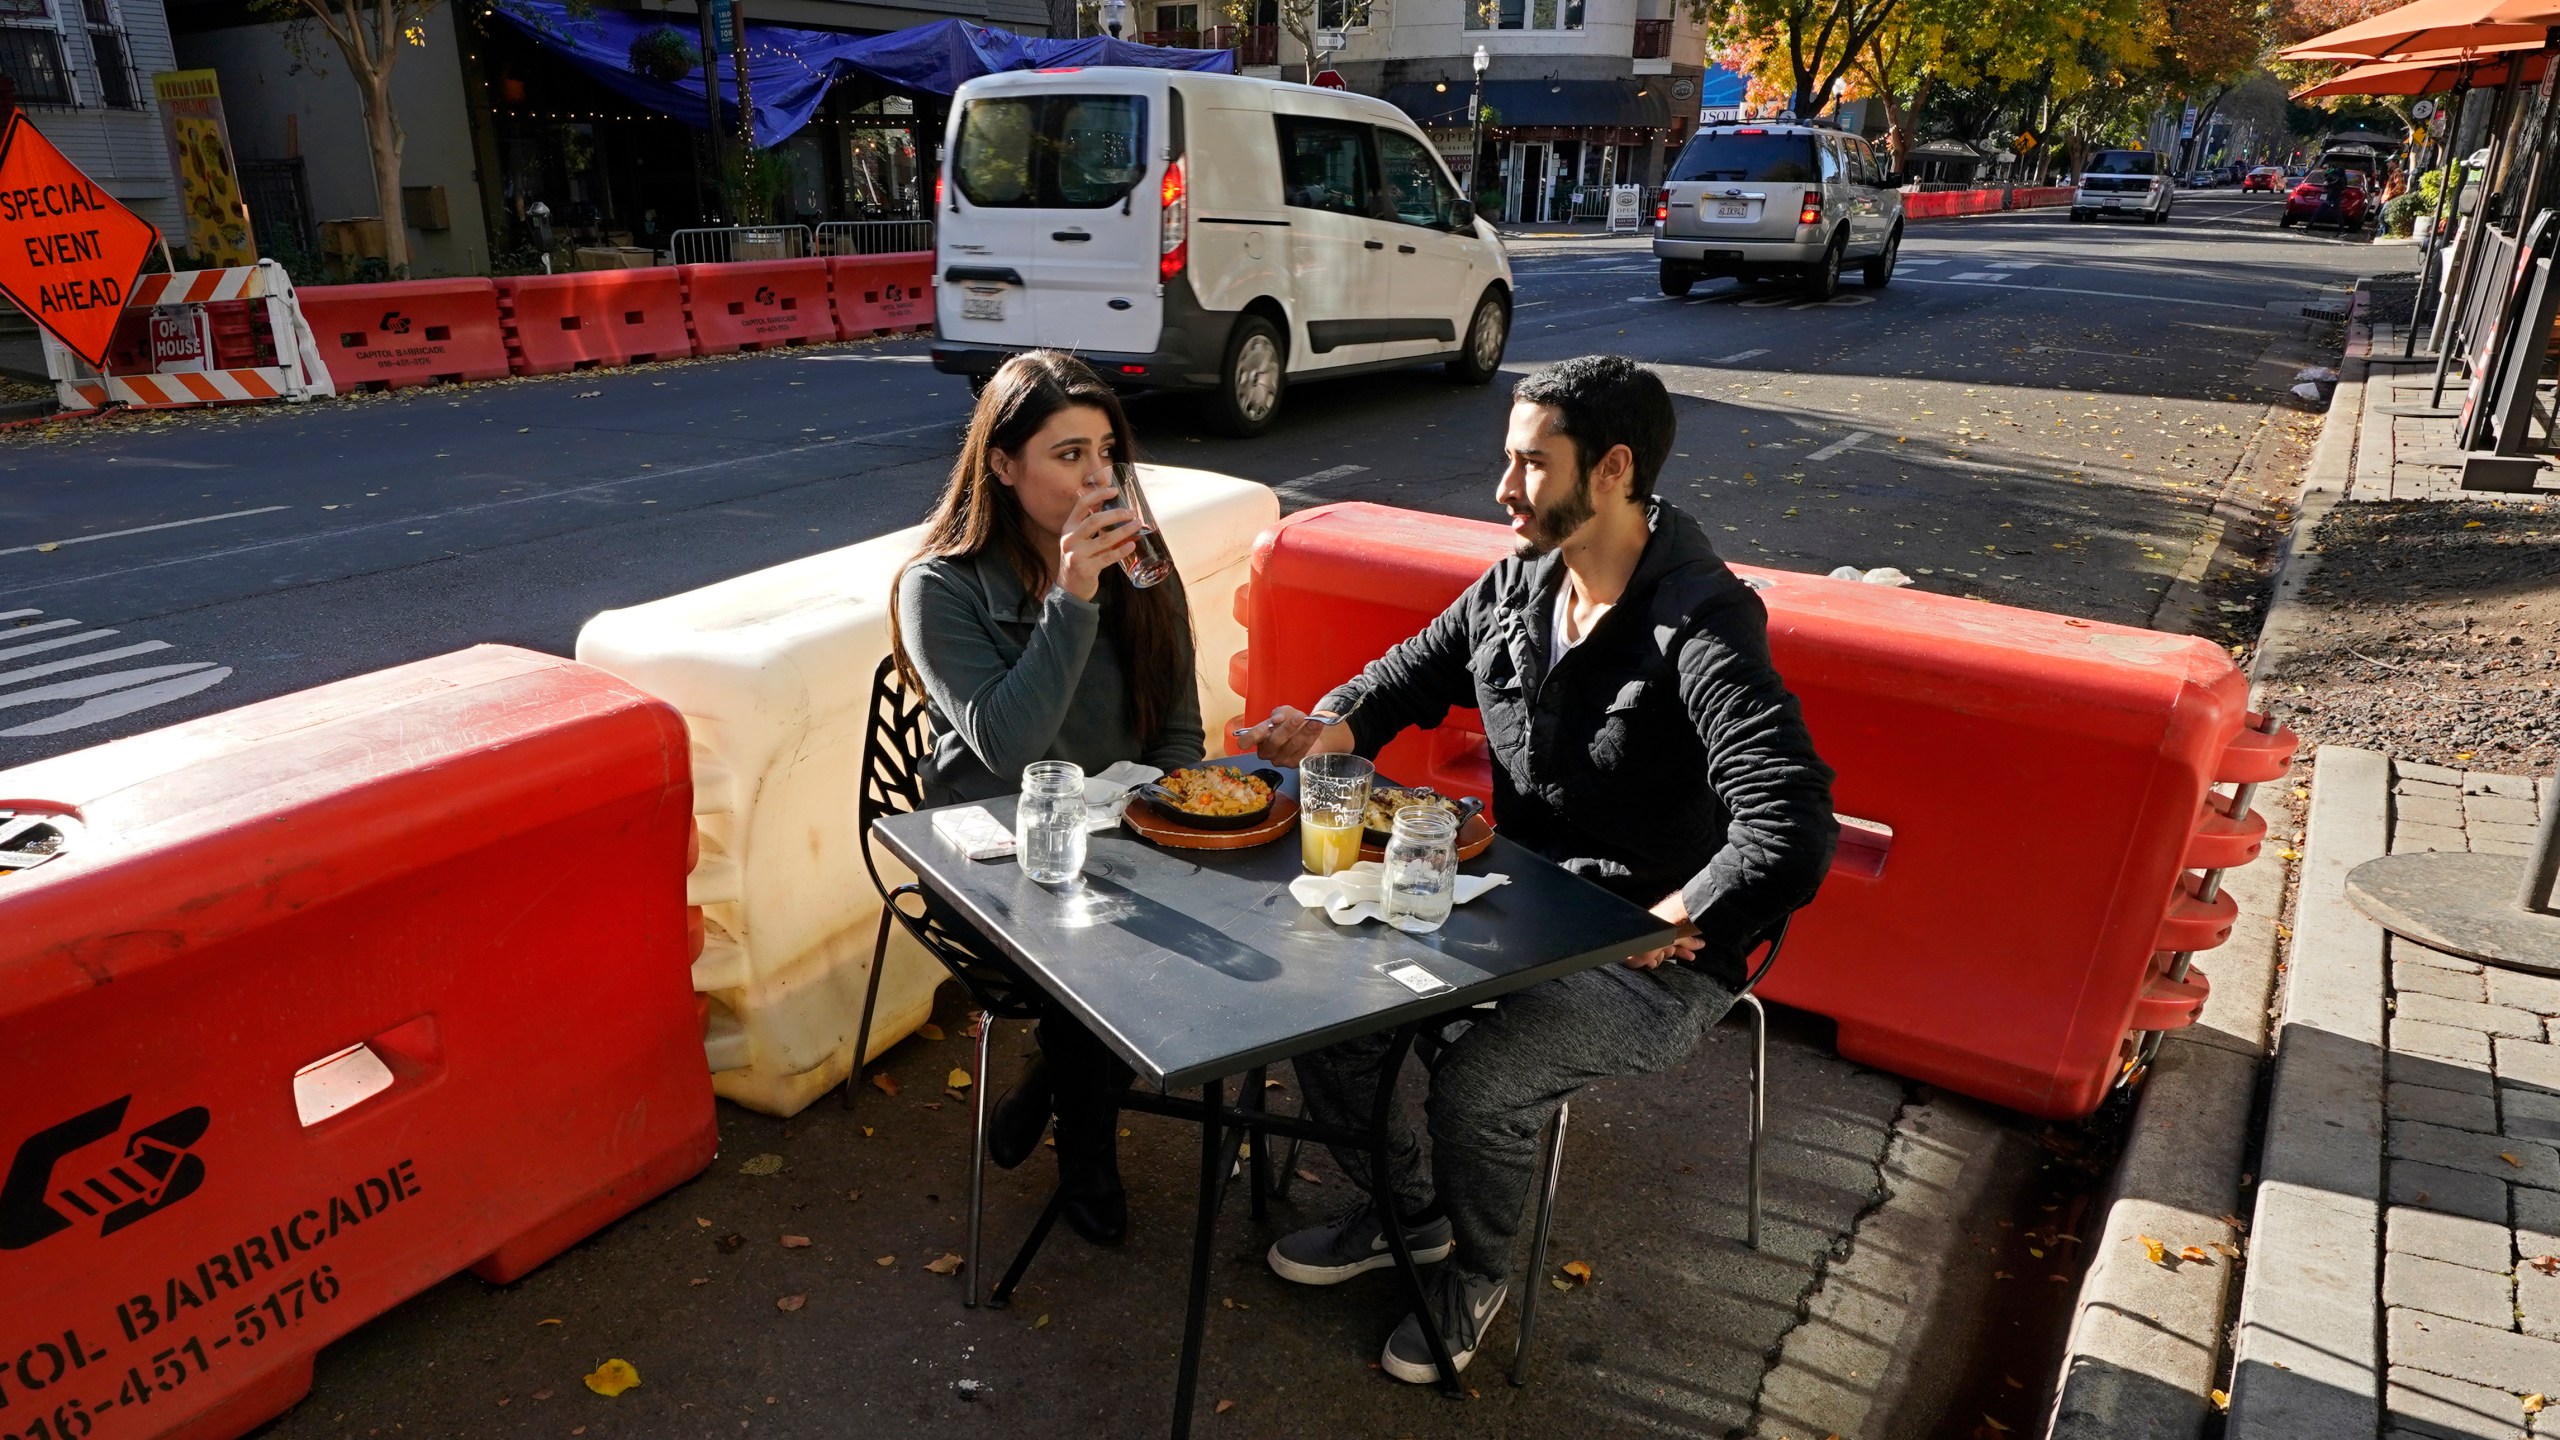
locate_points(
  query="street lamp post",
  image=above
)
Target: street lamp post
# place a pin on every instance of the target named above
(1475, 124)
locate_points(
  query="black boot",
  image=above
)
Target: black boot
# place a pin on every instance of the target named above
(1014, 1125)
(1097, 1207)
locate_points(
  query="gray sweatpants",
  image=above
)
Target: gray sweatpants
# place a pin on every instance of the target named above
(1499, 1084)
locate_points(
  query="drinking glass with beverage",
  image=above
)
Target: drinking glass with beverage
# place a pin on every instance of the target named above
(1333, 796)
(1149, 563)
(1048, 822)
(1422, 868)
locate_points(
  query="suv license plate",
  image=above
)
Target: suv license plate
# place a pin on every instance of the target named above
(2114, 203)
(982, 307)
(1732, 209)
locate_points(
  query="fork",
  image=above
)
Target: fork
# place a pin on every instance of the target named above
(1326, 718)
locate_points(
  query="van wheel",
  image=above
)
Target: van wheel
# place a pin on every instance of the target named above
(1879, 271)
(1677, 278)
(1824, 283)
(1251, 378)
(1487, 336)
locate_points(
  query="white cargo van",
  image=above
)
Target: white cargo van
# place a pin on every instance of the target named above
(1184, 231)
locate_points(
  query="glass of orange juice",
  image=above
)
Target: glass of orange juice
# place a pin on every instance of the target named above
(1333, 796)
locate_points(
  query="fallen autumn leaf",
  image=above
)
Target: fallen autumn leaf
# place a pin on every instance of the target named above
(612, 1378)
(795, 1242)
(789, 1303)
(949, 1264)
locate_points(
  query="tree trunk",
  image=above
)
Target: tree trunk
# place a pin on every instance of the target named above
(382, 135)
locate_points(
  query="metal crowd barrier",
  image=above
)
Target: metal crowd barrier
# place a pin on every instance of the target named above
(875, 237)
(724, 243)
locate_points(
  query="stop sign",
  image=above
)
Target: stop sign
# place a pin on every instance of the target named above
(1330, 80)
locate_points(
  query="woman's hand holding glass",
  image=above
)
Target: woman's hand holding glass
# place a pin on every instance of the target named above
(1097, 536)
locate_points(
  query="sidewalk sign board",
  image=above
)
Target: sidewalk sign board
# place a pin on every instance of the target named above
(69, 251)
(1626, 209)
(200, 156)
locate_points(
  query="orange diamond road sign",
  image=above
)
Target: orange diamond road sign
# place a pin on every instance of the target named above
(69, 251)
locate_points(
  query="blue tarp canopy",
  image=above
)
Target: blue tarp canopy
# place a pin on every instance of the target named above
(790, 69)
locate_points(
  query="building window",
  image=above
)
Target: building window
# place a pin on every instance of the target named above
(116, 87)
(1342, 14)
(31, 54)
(1524, 14)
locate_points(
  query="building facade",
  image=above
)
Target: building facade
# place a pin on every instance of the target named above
(81, 70)
(1579, 95)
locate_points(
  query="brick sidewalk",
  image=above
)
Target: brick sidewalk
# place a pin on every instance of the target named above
(2470, 1323)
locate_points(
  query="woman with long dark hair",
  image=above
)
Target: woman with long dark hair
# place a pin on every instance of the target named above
(1018, 625)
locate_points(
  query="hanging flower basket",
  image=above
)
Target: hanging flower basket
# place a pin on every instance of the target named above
(664, 53)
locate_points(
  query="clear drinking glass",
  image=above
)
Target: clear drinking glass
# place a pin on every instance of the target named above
(1422, 868)
(1333, 795)
(1048, 823)
(1150, 562)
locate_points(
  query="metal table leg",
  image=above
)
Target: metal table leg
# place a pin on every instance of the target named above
(1382, 1193)
(1215, 1156)
(1257, 1144)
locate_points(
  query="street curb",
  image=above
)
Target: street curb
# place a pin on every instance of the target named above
(2328, 479)
(2145, 1338)
(2307, 1356)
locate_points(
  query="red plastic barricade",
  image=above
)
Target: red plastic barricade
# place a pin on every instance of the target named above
(407, 332)
(881, 294)
(2037, 197)
(599, 317)
(753, 304)
(2024, 794)
(321, 1001)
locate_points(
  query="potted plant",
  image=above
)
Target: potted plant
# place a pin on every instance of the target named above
(664, 53)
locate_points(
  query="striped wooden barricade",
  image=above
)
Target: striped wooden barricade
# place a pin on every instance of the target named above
(297, 375)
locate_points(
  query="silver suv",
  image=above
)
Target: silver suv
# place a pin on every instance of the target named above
(2125, 182)
(1762, 201)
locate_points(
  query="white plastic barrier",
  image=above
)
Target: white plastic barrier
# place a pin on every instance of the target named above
(773, 674)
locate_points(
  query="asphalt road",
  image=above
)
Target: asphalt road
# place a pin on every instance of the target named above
(2034, 412)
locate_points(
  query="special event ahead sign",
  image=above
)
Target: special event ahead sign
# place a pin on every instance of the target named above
(69, 251)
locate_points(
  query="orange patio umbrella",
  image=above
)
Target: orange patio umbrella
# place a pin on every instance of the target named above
(2428, 26)
(2425, 77)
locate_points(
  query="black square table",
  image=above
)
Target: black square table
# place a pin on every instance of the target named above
(1197, 965)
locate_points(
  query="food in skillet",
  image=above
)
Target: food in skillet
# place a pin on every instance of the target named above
(1385, 801)
(1217, 791)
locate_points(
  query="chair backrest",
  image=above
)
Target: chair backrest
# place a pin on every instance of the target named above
(1776, 937)
(893, 752)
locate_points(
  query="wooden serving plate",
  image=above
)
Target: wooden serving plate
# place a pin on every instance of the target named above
(1474, 838)
(1152, 824)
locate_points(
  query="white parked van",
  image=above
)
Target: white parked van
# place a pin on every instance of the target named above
(1206, 232)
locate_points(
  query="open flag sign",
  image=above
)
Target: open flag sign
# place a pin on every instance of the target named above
(69, 251)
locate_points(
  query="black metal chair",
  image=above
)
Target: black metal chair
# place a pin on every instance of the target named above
(1554, 1167)
(894, 746)
(893, 750)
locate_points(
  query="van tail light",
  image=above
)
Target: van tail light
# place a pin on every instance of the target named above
(1176, 251)
(1661, 212)
(1811, 214)
(937, 189)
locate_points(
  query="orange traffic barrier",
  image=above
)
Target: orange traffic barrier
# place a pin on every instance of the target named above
(881, 294)
(2025, 796)
(318, 1002)
(756, 304)
(407, 332)
(596, 317)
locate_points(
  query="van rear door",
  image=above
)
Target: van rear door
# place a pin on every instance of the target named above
(1058, 185)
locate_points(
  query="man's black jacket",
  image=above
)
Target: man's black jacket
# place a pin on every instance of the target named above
(1663, 753)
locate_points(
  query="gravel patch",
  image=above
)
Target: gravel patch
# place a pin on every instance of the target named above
(2437, 634)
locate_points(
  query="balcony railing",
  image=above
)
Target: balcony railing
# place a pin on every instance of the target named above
(1253, 44)
(1653, 40)
(1174, 39)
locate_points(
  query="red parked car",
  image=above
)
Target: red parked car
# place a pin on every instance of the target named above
(2262, 178)
(2308, 203)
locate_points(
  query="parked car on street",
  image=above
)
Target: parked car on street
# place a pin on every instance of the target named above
(2125, 182)
(2307, 204)
(2265, 177)
(1218, 233)
(1777, 200)
(2204, 179)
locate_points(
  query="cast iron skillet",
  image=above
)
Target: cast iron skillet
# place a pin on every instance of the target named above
(1468, 808)
(1171, 808)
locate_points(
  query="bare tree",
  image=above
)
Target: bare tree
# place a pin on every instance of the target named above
(370, 34)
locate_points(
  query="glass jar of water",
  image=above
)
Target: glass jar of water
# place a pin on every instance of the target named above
(1422, 868)
(1048, 822)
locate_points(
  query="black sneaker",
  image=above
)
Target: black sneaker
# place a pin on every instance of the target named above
(1464, 1305)
(1351, 1243)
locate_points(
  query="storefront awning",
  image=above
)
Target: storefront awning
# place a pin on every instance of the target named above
(1641, 103)
(790, 69)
